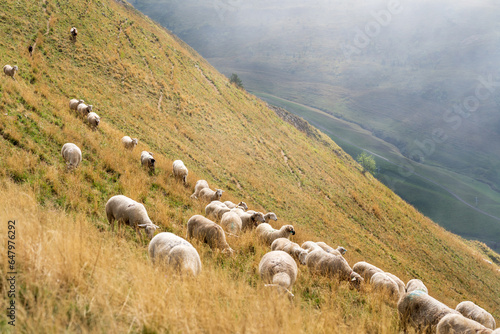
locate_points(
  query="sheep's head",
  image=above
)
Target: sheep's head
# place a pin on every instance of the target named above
(243, 205)
(258, 217)
(289, 229)
(152, 163)
(218, 193)
(228, 251)
(150, 229)
(355, 280)
(341, 250)
(271, 215)
(16, 68)
(302, 257)
(89, 108)
(135, 141)
(81, 101)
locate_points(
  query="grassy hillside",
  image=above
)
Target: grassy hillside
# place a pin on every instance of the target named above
(75, 275)
(400, 83)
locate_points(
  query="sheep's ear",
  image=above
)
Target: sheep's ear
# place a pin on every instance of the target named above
(142, 225)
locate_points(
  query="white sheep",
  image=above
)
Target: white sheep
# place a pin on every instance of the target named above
(381, 282)
(129, 143)
(200, 184)
(366, 270)
(174, 252)
(231, 205)
(457, 323)
(268, 234)
(320, 262)
(208, 195)
(83, 110)
(74, 32)
(215, 210)
(277, 267)
(399, 282)
(73, 104)
(10, 70)
(421, 311)
(72, 155)
(310, 246)
(472, 311)
(231, 222)
(339, 251)
(180, 171)
(129, 212)
(207, 231)
(416, 284)
(147, 160)
(93, 119)
(290, 247)
(250, 221)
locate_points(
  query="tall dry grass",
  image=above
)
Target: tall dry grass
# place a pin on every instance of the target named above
(72, 277)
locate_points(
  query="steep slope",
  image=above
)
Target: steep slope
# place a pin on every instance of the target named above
(400, 74)
(147, 84)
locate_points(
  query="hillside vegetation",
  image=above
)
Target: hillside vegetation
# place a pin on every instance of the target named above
(75, 275)
(401, 83)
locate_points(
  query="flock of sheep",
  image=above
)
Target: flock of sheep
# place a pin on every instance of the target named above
(278, 268)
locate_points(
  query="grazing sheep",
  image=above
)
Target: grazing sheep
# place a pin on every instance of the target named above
(215, 210)
(416, 284)
(93, 119)
(74, 32)
(270, 216)
(129, 143)
(472, 311)
(175, 252)
(200, 184)
(381, 282)
(290, 247)
(366, 270)
(10, 70)
(148, 160)
(126, 210)
(310, 246)
(457, 323)
(73, 104)
(399, 282)
(339, 251)
(208, 232)
(208, 195)
(72, 155)
(278, 267)
(180, 171)
(421, 311)
(249, 221)
(83, 110)
(268, 234)
(231, 222)
(231, 205)
(320, 262)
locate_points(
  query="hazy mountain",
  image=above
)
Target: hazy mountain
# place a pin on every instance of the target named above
(422, 76)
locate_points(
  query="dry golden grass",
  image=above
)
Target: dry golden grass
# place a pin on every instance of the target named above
(75, 278)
